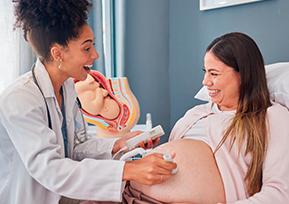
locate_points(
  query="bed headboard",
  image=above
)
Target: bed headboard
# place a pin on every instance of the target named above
(278, 83)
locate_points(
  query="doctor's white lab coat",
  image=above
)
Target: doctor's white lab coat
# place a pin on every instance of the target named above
(33, 166)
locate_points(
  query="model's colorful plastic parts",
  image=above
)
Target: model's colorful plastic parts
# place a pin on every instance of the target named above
(117, 89)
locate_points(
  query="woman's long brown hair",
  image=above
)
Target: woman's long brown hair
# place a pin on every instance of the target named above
(249, 125)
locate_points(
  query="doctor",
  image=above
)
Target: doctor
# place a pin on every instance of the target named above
(45, 153)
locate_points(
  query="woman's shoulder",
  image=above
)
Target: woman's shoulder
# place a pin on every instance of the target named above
(277, 109)
(200, 109)
(278, 115)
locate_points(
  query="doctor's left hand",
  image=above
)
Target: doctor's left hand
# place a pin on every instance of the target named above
(121, 142)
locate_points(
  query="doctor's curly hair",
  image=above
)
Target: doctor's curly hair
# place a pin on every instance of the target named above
(46, 22)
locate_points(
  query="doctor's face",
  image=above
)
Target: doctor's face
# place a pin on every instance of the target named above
(223, 83)
(80, 54)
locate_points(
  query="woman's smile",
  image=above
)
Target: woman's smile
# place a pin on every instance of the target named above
(222, 82)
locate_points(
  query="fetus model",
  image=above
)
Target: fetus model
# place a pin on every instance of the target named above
(108, 103)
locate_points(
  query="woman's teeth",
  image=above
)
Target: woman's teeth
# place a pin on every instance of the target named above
(213, 91)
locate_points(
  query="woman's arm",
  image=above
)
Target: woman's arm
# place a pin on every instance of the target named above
(275, 188)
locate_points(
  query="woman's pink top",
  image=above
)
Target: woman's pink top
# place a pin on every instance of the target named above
(233, 168)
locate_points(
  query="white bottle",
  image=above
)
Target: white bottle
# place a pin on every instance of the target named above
(148, 122)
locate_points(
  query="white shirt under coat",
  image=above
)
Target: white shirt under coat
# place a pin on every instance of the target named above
(33, 166)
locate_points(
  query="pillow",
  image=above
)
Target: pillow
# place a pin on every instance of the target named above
(277, 80)
(203, 94)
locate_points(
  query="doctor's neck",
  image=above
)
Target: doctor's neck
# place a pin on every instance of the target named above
(57, 76)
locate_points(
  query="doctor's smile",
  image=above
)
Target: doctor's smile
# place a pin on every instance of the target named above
(124, 102)
(60, 160)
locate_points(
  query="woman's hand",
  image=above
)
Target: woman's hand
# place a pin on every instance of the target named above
(119, 144)
(149, 170)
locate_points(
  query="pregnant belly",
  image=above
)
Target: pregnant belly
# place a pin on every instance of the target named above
(197, 181)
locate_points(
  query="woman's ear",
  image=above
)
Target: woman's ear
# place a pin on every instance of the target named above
(56, 52)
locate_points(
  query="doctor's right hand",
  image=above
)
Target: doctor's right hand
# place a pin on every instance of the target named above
(149, 170)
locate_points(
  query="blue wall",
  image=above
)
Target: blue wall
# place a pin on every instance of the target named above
(165, 46)
(147, 58)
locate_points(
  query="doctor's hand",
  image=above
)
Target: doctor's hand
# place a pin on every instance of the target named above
(119, 144)
(149, 170)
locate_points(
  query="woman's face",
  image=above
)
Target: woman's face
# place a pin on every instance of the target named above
(80, 54)
(222, 81)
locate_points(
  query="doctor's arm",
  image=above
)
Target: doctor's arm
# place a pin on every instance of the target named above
(101, 148)
(94, 147)
(147, 170)
(41, 152)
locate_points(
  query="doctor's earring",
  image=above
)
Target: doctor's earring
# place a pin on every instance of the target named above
(60, 65)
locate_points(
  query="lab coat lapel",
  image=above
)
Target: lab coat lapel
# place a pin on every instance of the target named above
(43, 79)
(69, 98)
(45, 84)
